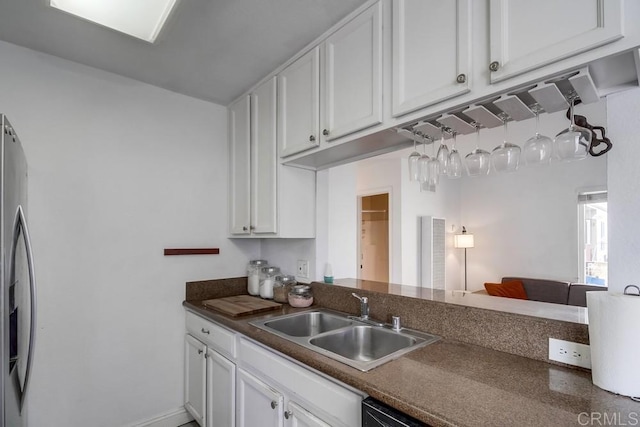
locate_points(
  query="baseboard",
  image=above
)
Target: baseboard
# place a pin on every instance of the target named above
(173, 418)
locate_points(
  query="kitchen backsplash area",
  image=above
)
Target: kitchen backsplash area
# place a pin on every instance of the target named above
(512, 333)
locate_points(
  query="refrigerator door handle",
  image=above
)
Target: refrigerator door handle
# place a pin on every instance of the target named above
(21, 225)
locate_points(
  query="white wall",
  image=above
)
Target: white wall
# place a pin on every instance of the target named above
(118, 170)
(443, 203)
(624, 186)
(337, 218)
(285, 253)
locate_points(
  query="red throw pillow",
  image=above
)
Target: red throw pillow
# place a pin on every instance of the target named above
(512, 289)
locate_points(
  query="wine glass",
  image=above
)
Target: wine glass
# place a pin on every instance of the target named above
(443, 154)
(477, 162)
(539, 148)
(414, 172)
(506, 156)
(572, 143)
(423, 165)
(455, 160)
(435, 167)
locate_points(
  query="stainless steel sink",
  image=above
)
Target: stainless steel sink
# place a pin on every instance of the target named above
(363, 343)
(308, 324)
(344, 338)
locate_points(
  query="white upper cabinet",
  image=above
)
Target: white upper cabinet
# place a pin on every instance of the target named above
(526, 35)
(352, 91)
(298, 104)
(325, 97)
(264, 159)
(261, 190)
(239, 167)
(431, 52)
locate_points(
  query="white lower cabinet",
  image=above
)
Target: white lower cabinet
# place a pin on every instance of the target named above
(258, 404)
(221, 387)
(300, 417)
(261, 404)
(194, 378)
(256, 386)
(210, 381)
(210, 372)
(275, 387)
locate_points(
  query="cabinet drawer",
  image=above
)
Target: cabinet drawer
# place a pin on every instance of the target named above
(215, 336)
(336, 404)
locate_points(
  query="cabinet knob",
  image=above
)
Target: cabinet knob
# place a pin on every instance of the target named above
(288, 414)
(312, 138)
(494, 66)
(274, 404)
(205, 331)
(199, 351)
(244, 228)
(461, 78)
(251, 227)
(325, 132)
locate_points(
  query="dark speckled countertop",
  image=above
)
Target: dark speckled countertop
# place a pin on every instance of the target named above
(450, 383)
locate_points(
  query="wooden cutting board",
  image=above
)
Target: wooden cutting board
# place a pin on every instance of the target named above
(241, 305)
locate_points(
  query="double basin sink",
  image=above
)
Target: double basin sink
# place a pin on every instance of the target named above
(346, 339)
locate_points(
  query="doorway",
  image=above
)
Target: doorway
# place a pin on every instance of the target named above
(373, 237)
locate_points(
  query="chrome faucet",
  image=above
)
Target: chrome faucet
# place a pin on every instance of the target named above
(364, 306)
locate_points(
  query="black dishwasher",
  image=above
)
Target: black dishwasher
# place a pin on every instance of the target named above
(376, 414)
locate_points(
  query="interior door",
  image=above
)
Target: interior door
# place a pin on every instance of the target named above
(374, 237)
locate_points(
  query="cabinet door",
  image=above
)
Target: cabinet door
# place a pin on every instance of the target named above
(257, 403)
(263, 158)
(352, 94)
(300, 417)
(526, 35)
(431, 52)
(239, 166)
(299, 104)
(221, 388)
(194, 377)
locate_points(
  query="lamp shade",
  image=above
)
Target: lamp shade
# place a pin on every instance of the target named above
(464, 240)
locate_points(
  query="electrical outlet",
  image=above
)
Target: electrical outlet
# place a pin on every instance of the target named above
(303, 269)
(570, 353)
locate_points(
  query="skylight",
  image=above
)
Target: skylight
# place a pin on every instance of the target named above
(140, 18)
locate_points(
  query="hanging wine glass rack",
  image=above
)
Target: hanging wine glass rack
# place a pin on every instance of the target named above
(547, 97)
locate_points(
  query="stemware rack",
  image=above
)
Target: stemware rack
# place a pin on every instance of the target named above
(548, 97)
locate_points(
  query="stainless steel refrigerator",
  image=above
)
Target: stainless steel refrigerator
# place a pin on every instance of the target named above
(17, 282)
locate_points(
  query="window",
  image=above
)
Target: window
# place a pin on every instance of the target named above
(592, 220)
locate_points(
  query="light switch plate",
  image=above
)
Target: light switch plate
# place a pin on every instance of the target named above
(570, 353)
(303, 269)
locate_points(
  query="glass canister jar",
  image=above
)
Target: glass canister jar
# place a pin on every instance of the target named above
(300, 296)
(253, 275)
(267, 279)
(282, 286)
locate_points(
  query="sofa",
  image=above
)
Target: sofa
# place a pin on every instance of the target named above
(556, 291)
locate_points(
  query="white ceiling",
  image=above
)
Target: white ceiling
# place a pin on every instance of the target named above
(211, 49)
